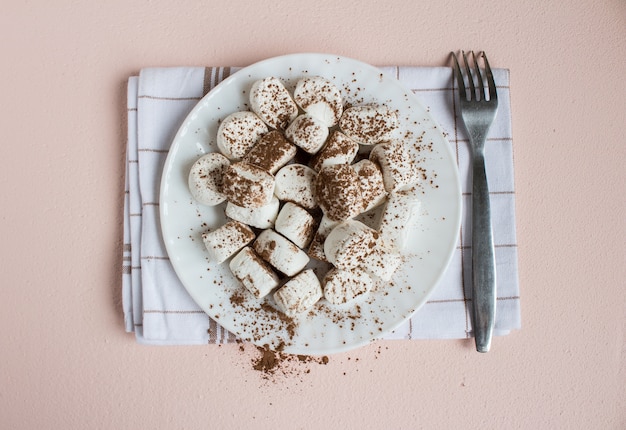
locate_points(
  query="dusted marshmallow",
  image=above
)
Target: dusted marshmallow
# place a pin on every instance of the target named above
(247, 185)
(307, 133)
(349, 244)
(294, 183)
(316, 249)
(272, 152)
(262, 217)
(397, 165)
(395, 220)
(343, 286)
(338, 192)
(254, 273)
(239, 132)
(339, 149)
(369, 124)
(205, 179)
(372, 185)
(320, 98)
(383, 262)
(278, 251)
(226, 240)
(296, 224)
(271, 101)
(299, 294)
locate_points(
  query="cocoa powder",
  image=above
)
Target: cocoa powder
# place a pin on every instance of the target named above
(272, 152)
(338, 191)
(275, 364)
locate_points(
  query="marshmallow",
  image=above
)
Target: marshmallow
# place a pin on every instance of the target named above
(343, 286)
(307, 133)
(296, 224)
(372, 185)
(254, 273)
(349, 244)
(320, 98)
(395, 218)
(339, 149)
(239, 132)
(247, 185)
(338, 192)
(299, 294)
(271, 101)
(383, 262)
(278, 251)
(294, 183)
(205, 178)
(272, 152)
(225, 241)
(396, 163)
(316, 248)
(369, 124)
(261, 217)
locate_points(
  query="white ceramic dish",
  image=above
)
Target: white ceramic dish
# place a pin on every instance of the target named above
(326, 329)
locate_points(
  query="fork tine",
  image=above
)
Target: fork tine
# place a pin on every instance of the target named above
(479, 78)
(493, 95)
(459, 77)
(470, 78)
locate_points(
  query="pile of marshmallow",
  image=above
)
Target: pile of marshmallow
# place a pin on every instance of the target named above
(281, 212)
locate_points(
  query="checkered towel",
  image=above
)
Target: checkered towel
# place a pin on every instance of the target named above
(158, 309)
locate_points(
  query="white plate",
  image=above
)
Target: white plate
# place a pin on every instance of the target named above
(326, 329)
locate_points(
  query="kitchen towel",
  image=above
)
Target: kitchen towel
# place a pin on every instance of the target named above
(158, 309)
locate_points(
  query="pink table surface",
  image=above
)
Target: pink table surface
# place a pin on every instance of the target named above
(66, 361)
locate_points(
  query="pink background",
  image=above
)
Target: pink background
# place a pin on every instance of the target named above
(66, 361)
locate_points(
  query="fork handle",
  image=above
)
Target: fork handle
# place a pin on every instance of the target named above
(483, 257)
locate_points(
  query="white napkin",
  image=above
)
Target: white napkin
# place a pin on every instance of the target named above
(157, 307)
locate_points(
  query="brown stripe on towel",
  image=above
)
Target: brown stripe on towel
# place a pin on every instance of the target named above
(147, 96)
(213, 76)
(206, 84)
(167, 311)
(212, 331)
(226, 71)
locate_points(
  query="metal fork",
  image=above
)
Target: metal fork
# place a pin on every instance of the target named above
(478, 113)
